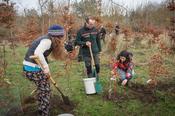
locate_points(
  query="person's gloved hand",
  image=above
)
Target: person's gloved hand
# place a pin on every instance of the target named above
(124, 82)
(69, 46)
(88, 43)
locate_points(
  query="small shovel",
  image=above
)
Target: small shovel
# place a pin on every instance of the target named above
(98, 86)
(65, 98)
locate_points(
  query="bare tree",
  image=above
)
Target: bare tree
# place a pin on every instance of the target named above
(99, 6)
(51, 11)
(42, 4)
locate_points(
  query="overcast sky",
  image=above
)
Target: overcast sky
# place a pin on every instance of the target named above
(130, 4)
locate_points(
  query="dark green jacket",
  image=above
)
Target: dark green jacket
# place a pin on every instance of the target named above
(85, 34)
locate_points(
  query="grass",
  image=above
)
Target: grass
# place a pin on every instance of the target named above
(71, 82)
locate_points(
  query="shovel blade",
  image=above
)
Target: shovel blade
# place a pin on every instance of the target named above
(98, 87)
(66, 100)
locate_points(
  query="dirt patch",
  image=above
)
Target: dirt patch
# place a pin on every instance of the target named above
(168, 87)
(135, 91)
(29, 100)
(117, 98)
(57, 103)
(142, 92)
(29, 107)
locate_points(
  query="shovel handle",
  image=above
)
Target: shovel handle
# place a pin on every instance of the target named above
(39, 63)
(92, 57)
(49, 76)
(36, 59)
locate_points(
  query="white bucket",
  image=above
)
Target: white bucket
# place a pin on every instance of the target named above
(89, 84)
(66, 114)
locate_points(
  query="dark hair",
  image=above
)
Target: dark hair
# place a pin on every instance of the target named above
(88, 18)
(125, 54)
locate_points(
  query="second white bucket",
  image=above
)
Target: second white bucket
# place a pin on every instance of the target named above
(89, 84)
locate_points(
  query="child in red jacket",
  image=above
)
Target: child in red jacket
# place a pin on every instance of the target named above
(124, 66)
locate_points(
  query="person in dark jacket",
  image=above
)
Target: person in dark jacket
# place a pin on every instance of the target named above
(88, 36)
(102, 33)
(43, 47)
(124, 66)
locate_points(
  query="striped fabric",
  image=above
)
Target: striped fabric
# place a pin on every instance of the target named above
(56, 32)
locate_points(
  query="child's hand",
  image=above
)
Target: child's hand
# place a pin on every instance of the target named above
(124, 82)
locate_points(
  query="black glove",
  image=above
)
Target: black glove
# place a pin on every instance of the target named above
(69, 46)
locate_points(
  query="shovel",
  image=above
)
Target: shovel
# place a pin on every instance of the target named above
(98, 86)
(65, 98)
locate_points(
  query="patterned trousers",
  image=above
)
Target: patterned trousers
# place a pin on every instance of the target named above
(43, 90)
